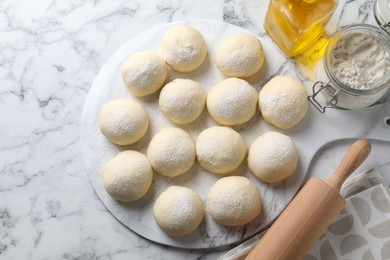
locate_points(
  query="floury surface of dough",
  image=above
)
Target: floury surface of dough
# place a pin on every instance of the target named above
(171, 152)
(234, 201)
(183, 48)
(240, 55)
(182, 101)
(272, 157)
(220, 149)
(283, 102)
(123, 121)
(178, 211)
(143, 73)
(128, 176)
(231, 102)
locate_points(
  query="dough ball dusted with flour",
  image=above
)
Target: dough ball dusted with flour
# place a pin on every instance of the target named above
(178, 210)
(182, 101)
(123, 121)
(283, 102)
(220, 149)
(240, 55)
(234, 201)
(183, 48)
(171, 152)
(143, 73)
(232, 102)
(272, 157)
(128, 176)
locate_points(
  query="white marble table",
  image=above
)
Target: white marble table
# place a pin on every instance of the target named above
(50, 52)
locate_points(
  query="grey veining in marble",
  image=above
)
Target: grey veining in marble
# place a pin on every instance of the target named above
(50, 53)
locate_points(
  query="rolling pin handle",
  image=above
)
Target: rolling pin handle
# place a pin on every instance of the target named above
(355, 156)
(306, 218)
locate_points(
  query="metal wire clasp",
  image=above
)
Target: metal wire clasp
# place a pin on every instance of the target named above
(385, 27)
(333, 92)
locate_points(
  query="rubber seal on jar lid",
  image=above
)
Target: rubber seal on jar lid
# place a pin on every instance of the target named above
(382, 14)
(387, 120)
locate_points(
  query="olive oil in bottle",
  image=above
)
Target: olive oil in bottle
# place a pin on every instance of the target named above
(296, 24)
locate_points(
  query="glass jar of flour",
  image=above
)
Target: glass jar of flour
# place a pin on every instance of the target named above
(355, 70)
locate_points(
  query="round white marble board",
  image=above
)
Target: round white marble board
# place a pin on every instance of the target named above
(137, 216)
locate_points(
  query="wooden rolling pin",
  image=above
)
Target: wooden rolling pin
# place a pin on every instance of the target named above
(312, 210)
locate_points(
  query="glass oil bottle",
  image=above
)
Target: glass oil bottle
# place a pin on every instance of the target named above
(296, 24)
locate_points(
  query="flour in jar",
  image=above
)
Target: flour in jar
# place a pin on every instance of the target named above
(360, 61)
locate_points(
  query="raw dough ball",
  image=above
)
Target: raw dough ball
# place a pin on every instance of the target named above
(234, 201)
(171, 152)
(182, 101)
(123, 121)
(272, 157)
(232, 102)
(240, 55)
(144, 73)
(178, 210)
(220, 149)
(183, 48)
(128, 176)
(283, 102)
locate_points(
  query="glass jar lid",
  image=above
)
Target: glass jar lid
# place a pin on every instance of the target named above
(382, 14)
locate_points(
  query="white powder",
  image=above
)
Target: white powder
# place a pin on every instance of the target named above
(145, 73)
(183, 209)
(171, 152)
(233, 201)
(242, 59)
(272, 157)
(122, 121)
(276, 152)
(360, 61)
(232, 102)
(184, 51)
(237, 102)
(220, 149)
(282, 106)
(232, 204)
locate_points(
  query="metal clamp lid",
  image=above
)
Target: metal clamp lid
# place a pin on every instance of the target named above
(316, 89)
(382, 14)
